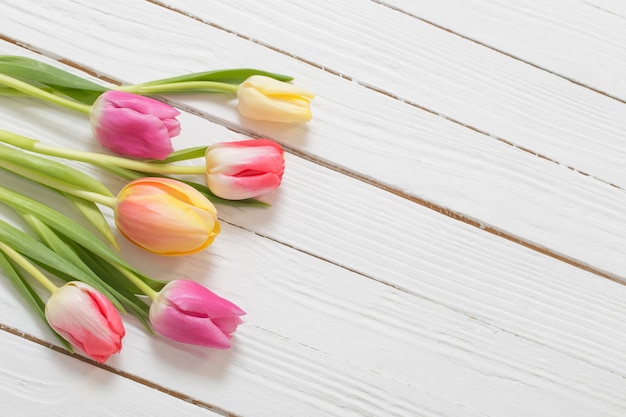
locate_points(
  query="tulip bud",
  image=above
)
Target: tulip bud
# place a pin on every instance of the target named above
(87, 319)
(187, 312)
(165, 216)
(264, 98)
(134, 125)
(245, 169)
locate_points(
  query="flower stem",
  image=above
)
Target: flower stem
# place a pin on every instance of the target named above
(97, 159)
(181, 87)
(145, 288)
(28, 267)
(41, 94)
(105, 200)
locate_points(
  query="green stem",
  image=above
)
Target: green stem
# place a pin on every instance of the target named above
(28, 267)
(44, 95)
(181, 87)
(145, 288)
(105, 200)
(97, 159)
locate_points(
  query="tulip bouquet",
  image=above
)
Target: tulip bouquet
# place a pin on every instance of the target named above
(89, 283)
(100, 284)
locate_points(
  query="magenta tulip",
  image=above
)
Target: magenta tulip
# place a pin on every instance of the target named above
(188, 312)
(86, 319)
(134, 125)
(244, 169)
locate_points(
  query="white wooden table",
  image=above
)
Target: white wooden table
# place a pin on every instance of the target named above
(449, 238)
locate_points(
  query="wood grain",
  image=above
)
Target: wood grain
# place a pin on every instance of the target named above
(38, 381)
(468, 82)
(444, 164)
(357, 322)
(364, 296)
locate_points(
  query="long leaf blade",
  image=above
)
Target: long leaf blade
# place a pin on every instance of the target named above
(30, 295)
(230, 76)
(36, 71)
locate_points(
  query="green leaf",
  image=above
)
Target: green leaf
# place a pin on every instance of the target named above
(92, 213)
(183, 155)
(70, 230)
(125, 290)
(48, 171)
(34, 71)
(50, 260)
(83, 96)
(60, 223)
(26, 290)
(120, 287)
(230, 76)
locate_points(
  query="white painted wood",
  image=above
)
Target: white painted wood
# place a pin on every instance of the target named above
(446, 164)
(458, 78)
(580, 40)
(321, 340)
(442, 317)
(360, 302)
(35, 380)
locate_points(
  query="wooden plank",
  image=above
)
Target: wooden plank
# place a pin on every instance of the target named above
(35, 380)
(579, 40)
(406, 312)
(461, 79)
(410, 313)
(444, 165)
(315, 331)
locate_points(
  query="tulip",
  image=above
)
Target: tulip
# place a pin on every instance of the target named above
(264, 98)
(87, 319)
(244, 169)
(188, 312)
(166, 216)
(134, 125)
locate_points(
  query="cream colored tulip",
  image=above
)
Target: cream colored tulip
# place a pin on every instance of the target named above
(264, 98)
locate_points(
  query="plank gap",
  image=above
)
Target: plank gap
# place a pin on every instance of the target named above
(399, 98)
(123, 374)
(500, 51)
(456, 215)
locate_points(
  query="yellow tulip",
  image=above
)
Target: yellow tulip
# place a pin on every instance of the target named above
(264, 98)
(165, 216)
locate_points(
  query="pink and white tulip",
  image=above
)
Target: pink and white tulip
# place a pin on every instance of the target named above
(188, 312)
(133, 125)
(165, 216)
(244, 169)
(86, 319)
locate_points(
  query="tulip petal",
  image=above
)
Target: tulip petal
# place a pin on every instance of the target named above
(129, 133)
(182, 327)
(239, 188)
(264, 98)
(166, 217)
(272, 87)
(188, 312)
(86, 319)
(134, 125)
(140, 104)
(244, 169)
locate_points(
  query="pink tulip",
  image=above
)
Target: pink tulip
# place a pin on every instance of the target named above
(86, 319)
(165, 216)
(245, 169)
(187, 312)
(134, 125)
